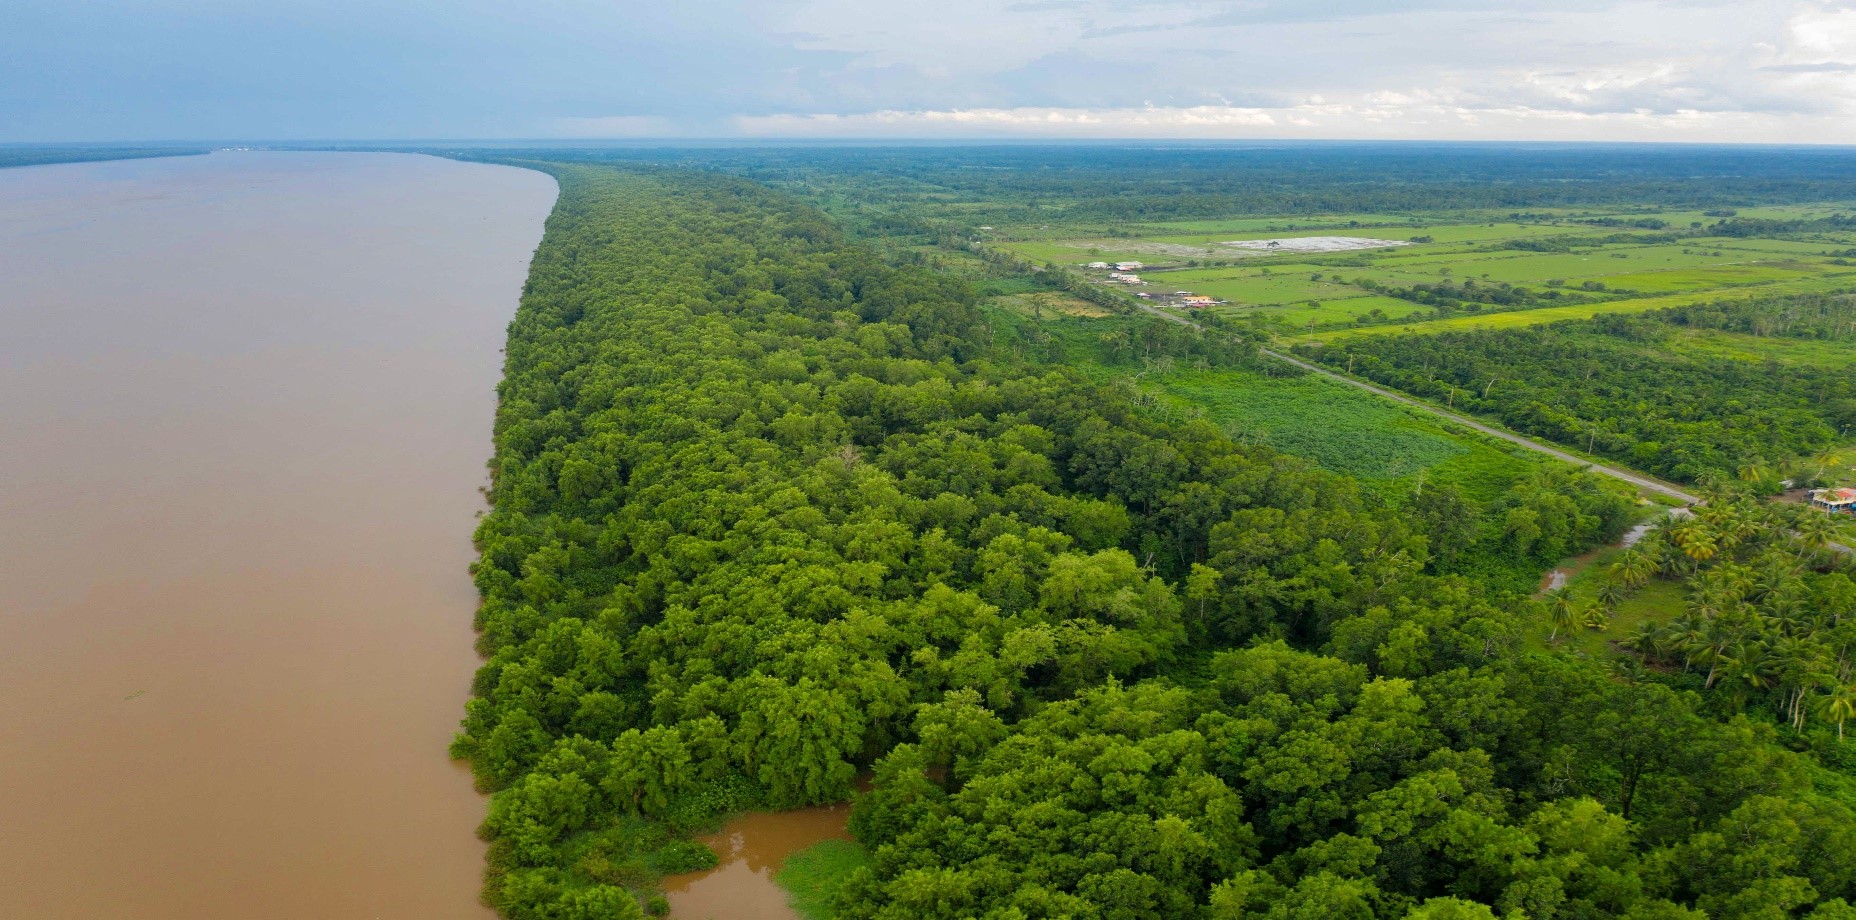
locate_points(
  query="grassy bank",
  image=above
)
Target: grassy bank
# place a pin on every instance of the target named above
(814, 876)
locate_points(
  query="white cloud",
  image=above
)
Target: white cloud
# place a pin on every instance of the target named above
(1381, 116)
(1777, 70)
(1827, 34)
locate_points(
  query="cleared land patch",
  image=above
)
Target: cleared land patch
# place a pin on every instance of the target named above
(1041, 303)
(1312, 244)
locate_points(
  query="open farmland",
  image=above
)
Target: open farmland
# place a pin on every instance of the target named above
(1464, 271)
(1685, 393)
(1349, 431)
(1828, 282)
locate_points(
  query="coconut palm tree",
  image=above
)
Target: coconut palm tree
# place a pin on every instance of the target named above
(1562, 612)
(1839, 706)
(1696, 540)
(1610, 595)
(1814, 531)
(1651, 641)
(1799, 666)
(1744, 667)
(1635, 568)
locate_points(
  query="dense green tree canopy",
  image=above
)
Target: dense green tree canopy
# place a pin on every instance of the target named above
(770, 510)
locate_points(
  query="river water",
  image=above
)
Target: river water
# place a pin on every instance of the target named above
(751, 849)
(245, 405)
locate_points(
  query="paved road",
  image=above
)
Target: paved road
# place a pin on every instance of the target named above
(1635, 479)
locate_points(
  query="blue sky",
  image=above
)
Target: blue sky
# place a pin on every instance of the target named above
(1671, 70)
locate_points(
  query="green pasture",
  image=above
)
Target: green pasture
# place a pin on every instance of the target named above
(1659, 601)
(1717, 344)
(1331, 312)
(1682, 219)
(1516, 267)
(1075, 252)
(1347, 430)
(1230, 272)
(1819, 284)
(1284, 223)
(1700, 279)
(1794, 247)
(1261, 290)
(813, 877)
(1839, 465)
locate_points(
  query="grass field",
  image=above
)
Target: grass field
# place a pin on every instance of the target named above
(1657, 602)
(1347, 430)
(1609, 268)
(1799, 247)
(1707, 278)
(1839, 465)
(813, 876)
(1334, 312)
(1258, 290)
(1842, 280)
(1715, 343)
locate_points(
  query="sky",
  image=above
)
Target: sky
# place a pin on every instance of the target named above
(1766, 71)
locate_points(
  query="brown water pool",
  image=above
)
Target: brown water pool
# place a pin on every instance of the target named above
(752, 848)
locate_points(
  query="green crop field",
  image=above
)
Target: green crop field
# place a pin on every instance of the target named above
(1333, 312)
(1262, 290)
(1526, 269)
(1716, 343)
(1347, 430)
(1799, 247)
(1228, 229)
(1826, 283)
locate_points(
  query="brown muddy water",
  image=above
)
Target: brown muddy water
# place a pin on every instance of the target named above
(752, 848)
(245, 404)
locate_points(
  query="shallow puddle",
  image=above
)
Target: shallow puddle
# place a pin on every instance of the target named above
(752, 848)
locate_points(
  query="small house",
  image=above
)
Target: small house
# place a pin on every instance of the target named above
(1835, 501)
(1098, 265)
(1197, 301)
(1128, 266)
